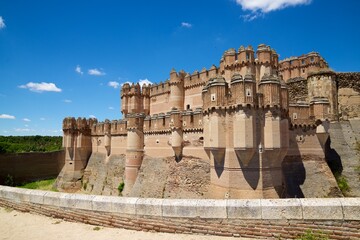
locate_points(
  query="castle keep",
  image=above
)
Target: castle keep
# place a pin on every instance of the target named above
(245, 117)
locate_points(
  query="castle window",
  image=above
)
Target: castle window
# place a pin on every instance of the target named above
(248, 92)
(303, 62)
(303, 70)
(312, 59)
(188, 107)
(163, 122)
(213, 97)
(191, 118)
(247, 56)
(294, 115)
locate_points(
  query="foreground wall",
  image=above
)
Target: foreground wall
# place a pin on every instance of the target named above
(25, 167)
(258, 218)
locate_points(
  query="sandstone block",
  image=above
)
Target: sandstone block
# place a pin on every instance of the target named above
(37, 196)
(179, 208)
(102, 203)
(24, 194)
(244, 208)
(67, 200)
(281, 209)
(351, 208)
(321, 209)
(149, 206)
(53, 198)
(124, 205)
(209, 208)
(84, 201)
(12, 194)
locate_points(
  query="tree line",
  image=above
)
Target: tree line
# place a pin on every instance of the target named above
(21, 144)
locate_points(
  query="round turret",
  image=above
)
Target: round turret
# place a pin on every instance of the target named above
(230, 56)
(270, 87)
(263, 54)
(214, 93)
(177, 89)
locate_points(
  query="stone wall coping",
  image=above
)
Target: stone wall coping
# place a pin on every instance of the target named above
(250, 209)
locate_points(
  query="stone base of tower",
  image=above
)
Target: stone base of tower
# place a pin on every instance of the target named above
(232, 179)
(69, 179)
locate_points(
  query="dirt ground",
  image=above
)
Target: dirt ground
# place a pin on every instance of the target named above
(16, 225)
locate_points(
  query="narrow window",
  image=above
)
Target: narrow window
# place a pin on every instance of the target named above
(188, 107)
(294, 115)
(312, 59)
(213, 97)
(248, 92)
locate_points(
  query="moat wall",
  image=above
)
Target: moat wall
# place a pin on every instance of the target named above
(26, 167)
(258, 218)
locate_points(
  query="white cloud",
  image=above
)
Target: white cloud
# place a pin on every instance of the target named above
(92, 116)
(252, 16)
(6, 116)
(78, 70)
(266, 6)
(67, 101)
(2, 23)
(41, 87)
(113, 84)
(146, 81)
(111, 108)
(42, 119)
(259, 7)
(24, 130)
(186, 25)
(96, 72)
(141, 82)
(26, 120)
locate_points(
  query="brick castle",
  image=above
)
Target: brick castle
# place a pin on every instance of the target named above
(245, 117)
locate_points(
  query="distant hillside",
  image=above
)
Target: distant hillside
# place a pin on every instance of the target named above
(20, 144)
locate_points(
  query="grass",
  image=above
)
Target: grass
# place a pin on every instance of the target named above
(47, 185)
(342, 183)
(310, 235)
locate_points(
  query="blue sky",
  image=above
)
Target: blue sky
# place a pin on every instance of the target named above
(68, 58)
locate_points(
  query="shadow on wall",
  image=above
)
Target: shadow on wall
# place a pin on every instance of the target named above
(294, 176)
(252, 171)
(333, 158)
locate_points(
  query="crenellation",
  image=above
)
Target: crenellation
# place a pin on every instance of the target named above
(244, 117)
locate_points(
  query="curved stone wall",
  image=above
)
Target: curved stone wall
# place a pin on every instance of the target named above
(339, 218)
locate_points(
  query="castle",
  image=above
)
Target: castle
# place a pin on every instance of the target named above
(245, 117)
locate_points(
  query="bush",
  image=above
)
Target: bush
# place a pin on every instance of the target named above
(9, 181)
(121, 187)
